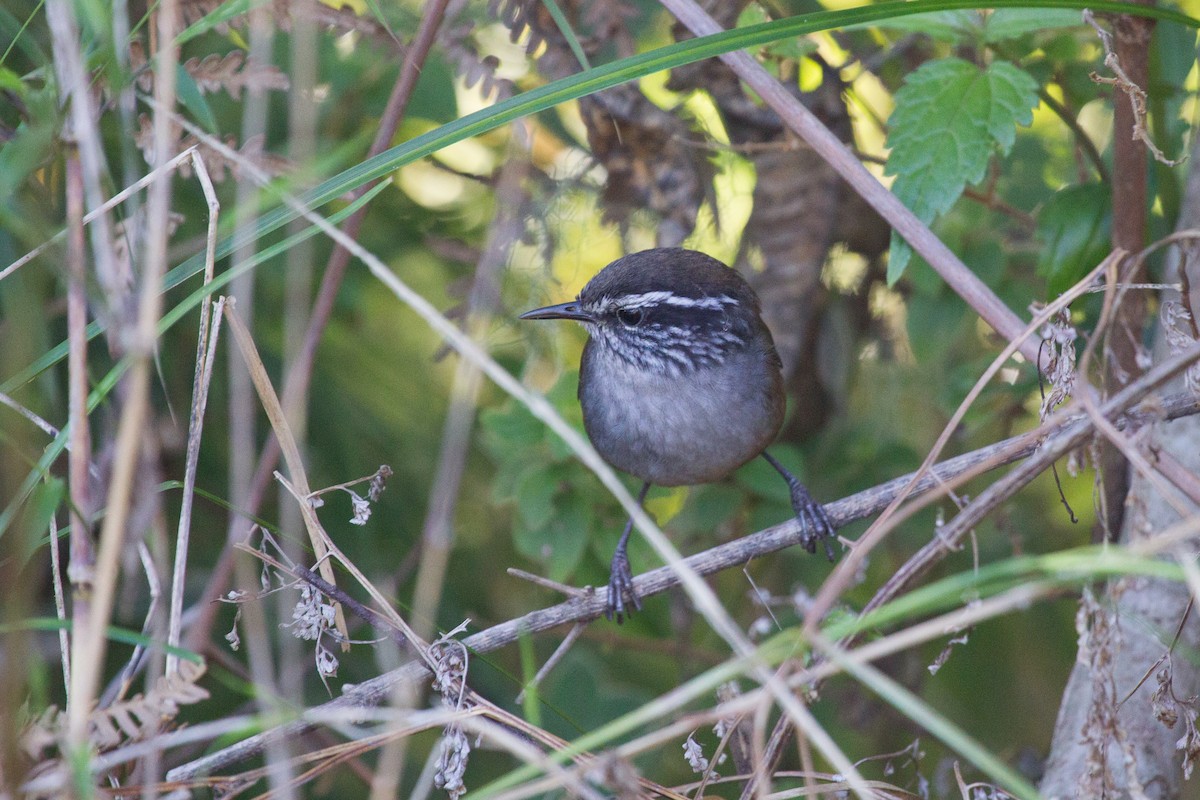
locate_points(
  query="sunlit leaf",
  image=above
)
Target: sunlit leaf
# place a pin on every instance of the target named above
(951, 116)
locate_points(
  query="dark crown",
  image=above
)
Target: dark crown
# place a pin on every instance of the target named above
(669, 309)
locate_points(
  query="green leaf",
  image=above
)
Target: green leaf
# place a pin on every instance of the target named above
(950, 117)
(535, 494)
(26, 151)
(193, 99)
(219, 15)
(560, 544)
(663, 504)
(1074, 227)
(752, 14)
(11, 82)
(1013, 23)
(793, 48)
(707, 508)
(564, 27)
(947, 26)
(564, 397)
(509, 430)
(43, 503)
(113, 633)
(933, 322)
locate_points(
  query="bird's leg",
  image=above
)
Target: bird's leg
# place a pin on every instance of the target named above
(620, 577)
(812, 517)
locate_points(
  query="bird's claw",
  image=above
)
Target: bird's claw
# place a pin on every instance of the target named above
(620, 588)
(814, 522)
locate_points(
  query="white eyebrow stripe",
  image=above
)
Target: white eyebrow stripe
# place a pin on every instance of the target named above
(644, 299)
(672, 299)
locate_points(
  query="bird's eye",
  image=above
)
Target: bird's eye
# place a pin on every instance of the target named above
(631, 317)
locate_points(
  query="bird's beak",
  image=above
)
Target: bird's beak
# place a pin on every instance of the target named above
(571, 310)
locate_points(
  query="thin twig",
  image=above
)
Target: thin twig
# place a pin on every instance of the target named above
(1136, 94)
(206, 349)
(30, 415)
(563, 648)
(546, 583)
(81, 553)
(291, 452)
(330, 548)
(60, 606)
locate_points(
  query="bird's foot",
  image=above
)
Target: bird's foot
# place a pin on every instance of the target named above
(814, 522)
(620, 589)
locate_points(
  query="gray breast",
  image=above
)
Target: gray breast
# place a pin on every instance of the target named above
(681, 429)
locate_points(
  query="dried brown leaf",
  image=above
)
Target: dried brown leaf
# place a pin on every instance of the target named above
(134, 719)
(342, 18)
(233, 72)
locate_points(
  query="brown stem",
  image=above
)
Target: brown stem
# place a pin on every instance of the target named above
(1131, 48)
(82, 554)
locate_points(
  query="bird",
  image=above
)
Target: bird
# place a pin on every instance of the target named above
(679, 384)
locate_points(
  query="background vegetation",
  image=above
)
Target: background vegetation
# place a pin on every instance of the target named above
(483, 159)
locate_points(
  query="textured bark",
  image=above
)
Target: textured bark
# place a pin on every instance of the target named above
(1086, 759)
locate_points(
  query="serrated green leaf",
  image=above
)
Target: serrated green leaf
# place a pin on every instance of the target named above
(1013, 23)
(950, 117)
(1074, 227)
